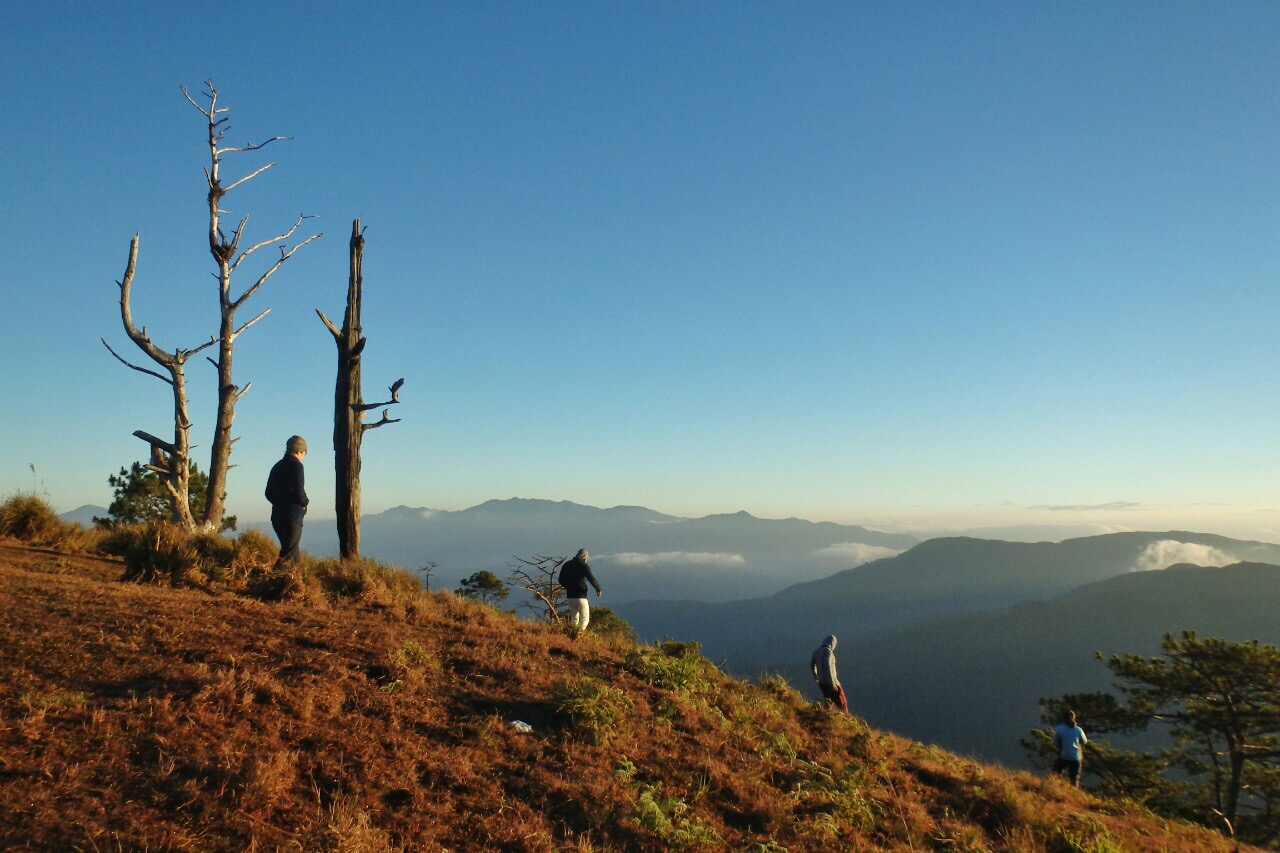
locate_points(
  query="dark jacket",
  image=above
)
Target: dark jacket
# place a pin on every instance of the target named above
(574, 575)
(286, 488)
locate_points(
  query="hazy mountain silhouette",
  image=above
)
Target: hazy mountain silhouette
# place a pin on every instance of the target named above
(84, 515)
(972, 683)
(937, 578)
(636, 552)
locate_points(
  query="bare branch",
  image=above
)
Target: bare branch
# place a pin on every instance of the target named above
(237, 332)
(333, 330)
(156, 443)
(249, 176)
(395, 398)
(253, 146)
(385, 420)
(134, 366)
(205, 345)
(285, 254)
(140, 338)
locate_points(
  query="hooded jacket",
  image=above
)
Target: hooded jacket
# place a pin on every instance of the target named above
(574, 576)
(823, 663)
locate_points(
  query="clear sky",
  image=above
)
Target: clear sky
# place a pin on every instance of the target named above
(911, 265)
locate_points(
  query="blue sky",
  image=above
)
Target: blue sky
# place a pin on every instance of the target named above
(922, 266)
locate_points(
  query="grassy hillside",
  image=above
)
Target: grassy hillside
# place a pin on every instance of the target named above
(374, 717)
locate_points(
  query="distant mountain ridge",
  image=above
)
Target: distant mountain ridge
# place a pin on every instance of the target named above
(939, 577)
(636, 552)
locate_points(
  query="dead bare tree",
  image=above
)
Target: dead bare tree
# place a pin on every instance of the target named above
(538, 578)
(349, 407)
(170, 459)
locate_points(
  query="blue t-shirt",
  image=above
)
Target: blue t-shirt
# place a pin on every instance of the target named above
(1068, 740)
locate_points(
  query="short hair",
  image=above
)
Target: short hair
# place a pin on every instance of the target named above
(1069, 717)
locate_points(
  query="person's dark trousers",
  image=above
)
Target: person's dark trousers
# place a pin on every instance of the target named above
(836, 695)
(289, 531)
(1072, 769)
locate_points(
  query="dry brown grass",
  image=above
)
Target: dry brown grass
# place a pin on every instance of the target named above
(361, 713)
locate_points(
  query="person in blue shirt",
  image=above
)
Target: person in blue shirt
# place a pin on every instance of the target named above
(1069, 740)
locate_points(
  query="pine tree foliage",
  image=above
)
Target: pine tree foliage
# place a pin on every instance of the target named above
(140, 496)
(1219, 704)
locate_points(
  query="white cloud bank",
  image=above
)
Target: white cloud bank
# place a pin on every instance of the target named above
(855, 553)
(684, 558)
(1169, 552)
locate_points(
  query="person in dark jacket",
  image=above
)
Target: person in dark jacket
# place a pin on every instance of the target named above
(822, 663)
(574, 575)
(287, 492)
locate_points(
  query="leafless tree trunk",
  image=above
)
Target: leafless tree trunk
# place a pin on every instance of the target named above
(171, 459)
(348, 405)
(228, 255)
(168, 459)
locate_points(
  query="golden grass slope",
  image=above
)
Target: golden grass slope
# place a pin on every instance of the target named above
(148, 717)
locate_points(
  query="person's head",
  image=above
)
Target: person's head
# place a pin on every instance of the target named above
(583, 555)
(297, 445)
(1069, 717)
(830, 641)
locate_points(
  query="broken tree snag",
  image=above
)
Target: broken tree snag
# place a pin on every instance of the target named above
(167, 458)
(348, 405)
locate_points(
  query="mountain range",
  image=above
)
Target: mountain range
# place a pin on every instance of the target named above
(636, 552)
(973, 682)
(940, 577)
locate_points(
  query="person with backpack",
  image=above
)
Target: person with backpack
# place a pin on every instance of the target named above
(574, 576)
(822, 663)
(1069, 740)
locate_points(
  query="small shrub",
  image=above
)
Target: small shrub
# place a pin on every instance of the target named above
(593, 708)
(606, 623)
(669, 665)
(27, 517)
(30, 518)
(255, 553)
(370, 582)
(215, 556)
(1086, 835)
(671, 820)
(155, 551)
(287, 583)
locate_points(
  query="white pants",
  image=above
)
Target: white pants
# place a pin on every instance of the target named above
(581, 611)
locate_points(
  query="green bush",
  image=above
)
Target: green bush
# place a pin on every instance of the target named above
(669, 665)
(672, 821)
(593, 708)
(606, 623)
